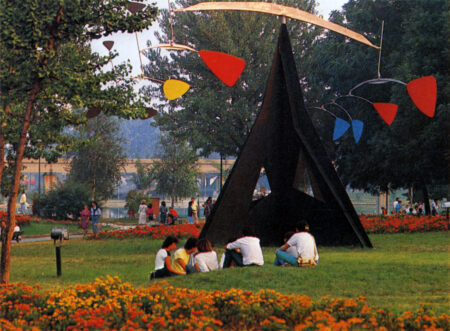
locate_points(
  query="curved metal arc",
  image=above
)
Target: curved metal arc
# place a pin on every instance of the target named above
(333, 103)
(172, 46)
(377, 81)
(319, 108)
(354, 96)
(149, 78)
(280, 10)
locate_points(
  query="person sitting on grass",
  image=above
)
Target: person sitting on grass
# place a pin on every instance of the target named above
(244, 251)
(291, 250)
(163, 264)
(149, 212)
(173, 216)
(306, 250)
(205, 259)
(17, 235)
(180, 262)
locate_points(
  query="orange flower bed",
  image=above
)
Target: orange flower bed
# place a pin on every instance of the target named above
(403, 223)
(155, 232)
(110, 304)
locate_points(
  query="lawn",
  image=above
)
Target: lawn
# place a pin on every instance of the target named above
(43, 228)
(403, 272)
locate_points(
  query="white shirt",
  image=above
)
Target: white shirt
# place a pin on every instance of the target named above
(206, 261)
(292, 250)
(160, 259)
(250, 250)
(305, 245)
(142, 209)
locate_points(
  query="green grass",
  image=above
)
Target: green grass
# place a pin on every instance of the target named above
(403, 272)
(44, 228)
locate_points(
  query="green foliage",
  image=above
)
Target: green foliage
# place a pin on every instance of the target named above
(133, 200)
(142, 178)
(175, 170)
(99, 159)
(211, 116)
(413, 151)
(65, 202)
(50, 77)
(45, 49)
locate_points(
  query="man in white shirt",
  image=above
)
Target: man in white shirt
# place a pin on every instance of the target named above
(305, 245)
(250, 252)
(292, 250)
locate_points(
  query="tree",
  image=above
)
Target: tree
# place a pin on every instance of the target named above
(413, 151)
(50, 78)
(142, 178)
(99, 159)
(133, 200)
(175, 170)
(211, 116)
(63, 202)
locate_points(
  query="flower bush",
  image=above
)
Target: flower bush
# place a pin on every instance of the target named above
(109, 303)
(20, 219)
(403, 223)
(371, 223)
(155, 232)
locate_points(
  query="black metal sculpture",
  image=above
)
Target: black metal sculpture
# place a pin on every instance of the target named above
(284, 142)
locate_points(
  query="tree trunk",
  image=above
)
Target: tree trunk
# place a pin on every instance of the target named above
(411, 195)
(2, 153)
(426, 199)
(387, 201)
(93, 189)
(11, 222)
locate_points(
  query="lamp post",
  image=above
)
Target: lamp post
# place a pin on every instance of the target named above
(39, 180)
(39, 176)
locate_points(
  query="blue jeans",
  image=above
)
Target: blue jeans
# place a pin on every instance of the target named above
(282, 257)
(232, 255)
(94, 223)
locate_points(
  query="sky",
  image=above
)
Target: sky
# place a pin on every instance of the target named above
(125, 43)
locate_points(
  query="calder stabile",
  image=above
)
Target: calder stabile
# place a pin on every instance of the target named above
(283, 141)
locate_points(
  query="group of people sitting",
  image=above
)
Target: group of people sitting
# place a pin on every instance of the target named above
(197, 255)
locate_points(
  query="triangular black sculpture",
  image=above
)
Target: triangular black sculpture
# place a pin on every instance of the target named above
(284, 142)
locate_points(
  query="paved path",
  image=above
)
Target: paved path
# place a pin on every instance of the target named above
(45, 238)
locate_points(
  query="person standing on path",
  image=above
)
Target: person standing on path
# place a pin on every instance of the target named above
(85, 213)
(189, 213)
(207, 207)
(142, 212)
(95, 215)
(194, 207)
(23, 203)
(163, 213)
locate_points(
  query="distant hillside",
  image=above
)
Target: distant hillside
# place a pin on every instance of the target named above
(140, 138)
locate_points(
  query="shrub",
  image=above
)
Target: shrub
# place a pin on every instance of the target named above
(64, 202)
(153, 232)
(133, 200)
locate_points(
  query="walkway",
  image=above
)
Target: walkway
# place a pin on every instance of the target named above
(45, 238)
